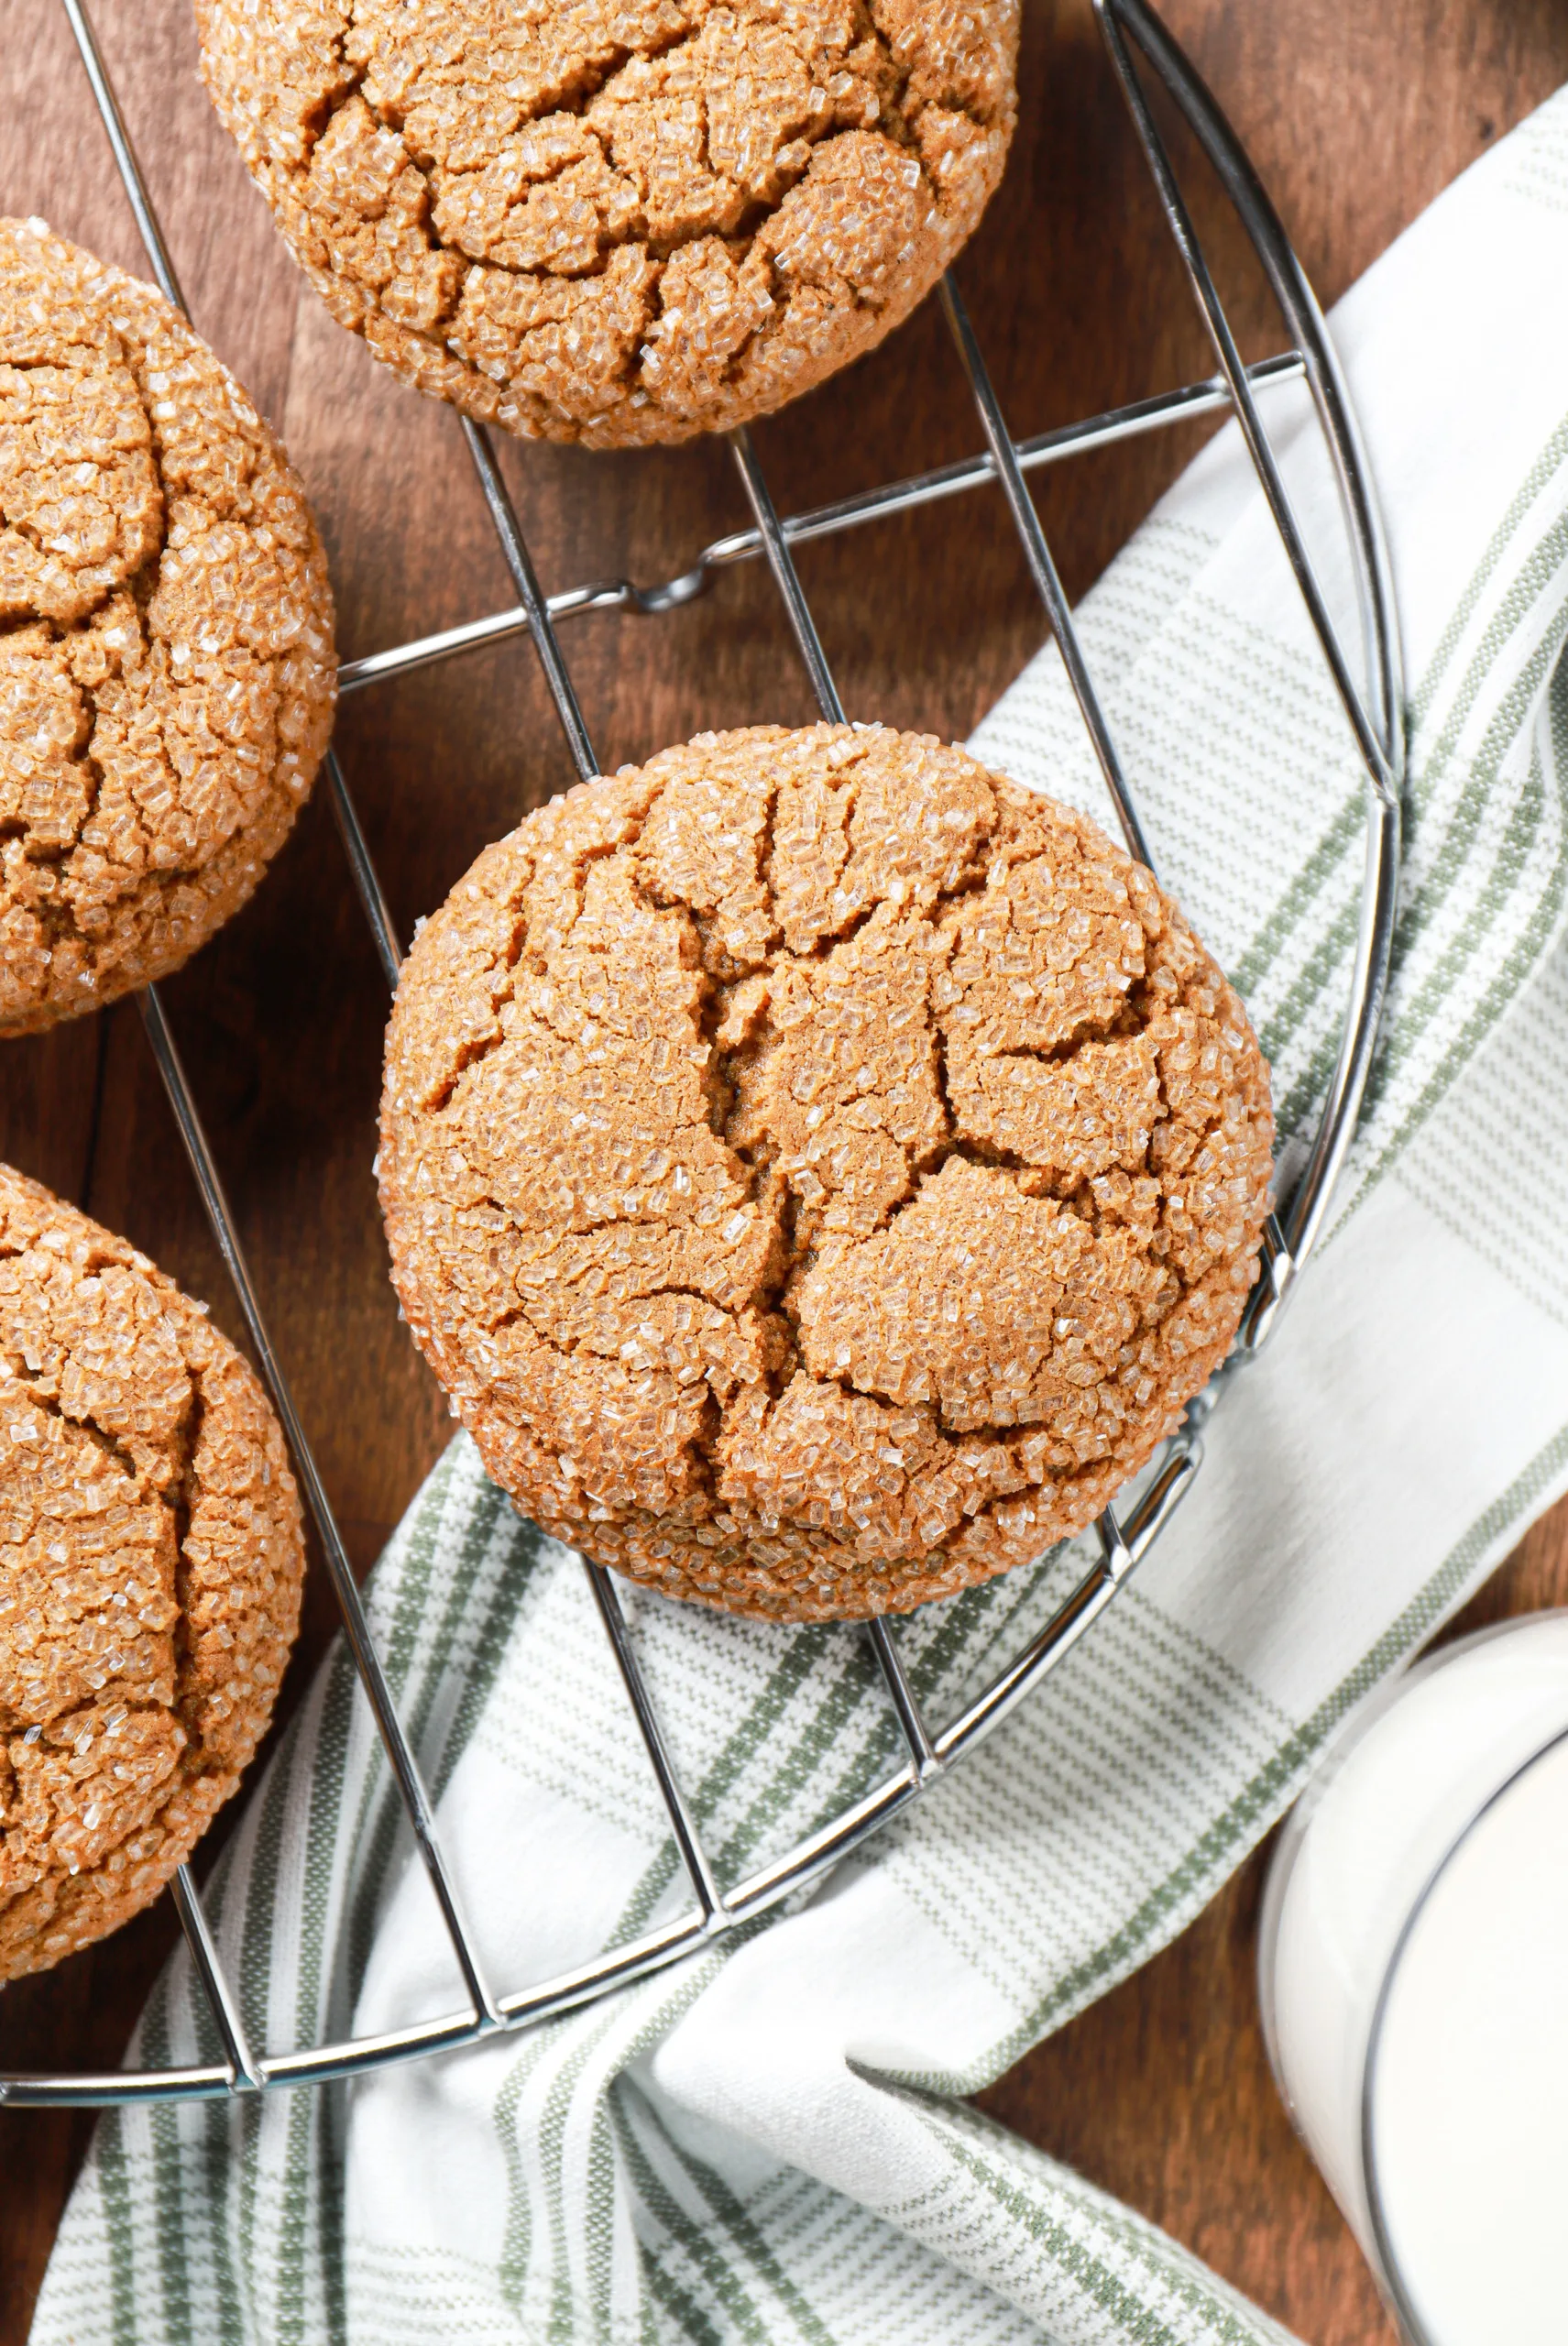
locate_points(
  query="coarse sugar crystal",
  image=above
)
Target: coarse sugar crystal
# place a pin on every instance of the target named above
(166, 669)
(155, 1507)
(971, 1156)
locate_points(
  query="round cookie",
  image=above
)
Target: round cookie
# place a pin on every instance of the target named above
(167, 670)
(151, 1561)
(586, 221)
(820, 1170)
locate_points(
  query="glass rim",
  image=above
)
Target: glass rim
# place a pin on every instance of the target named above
(1389, 2270)
(1341, 1744)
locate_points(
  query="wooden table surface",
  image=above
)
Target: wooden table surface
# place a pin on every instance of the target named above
(1356, 118)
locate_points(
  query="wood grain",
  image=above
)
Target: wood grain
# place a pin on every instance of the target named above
(1357, 118)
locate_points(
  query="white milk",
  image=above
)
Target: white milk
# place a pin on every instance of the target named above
(1467, 2109)
(1469, 2104)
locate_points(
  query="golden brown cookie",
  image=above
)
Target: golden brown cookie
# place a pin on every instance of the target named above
(167, 671)
(586, 220)
(820, 1170)
(151, 1560)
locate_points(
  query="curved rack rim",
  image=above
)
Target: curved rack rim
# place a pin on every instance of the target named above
(1123, 1547)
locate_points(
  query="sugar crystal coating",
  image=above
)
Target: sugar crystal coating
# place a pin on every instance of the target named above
(581, 220)
(820, 1170)
(167, 671)
(150, 1562)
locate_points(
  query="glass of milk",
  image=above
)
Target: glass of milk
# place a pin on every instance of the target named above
(1414, 1974)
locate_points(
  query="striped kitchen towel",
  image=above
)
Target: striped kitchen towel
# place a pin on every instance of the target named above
(769, 2143)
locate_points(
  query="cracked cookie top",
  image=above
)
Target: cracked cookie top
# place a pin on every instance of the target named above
(151, 1561)
(820, 1170)
(167, 670)
(586, 221)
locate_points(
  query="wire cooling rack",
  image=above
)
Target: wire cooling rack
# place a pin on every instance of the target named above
(1373, 707)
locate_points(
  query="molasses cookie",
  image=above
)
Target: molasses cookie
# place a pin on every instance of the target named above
(586, 221)
(150, 1560)
(820, 1170)
(167, 671)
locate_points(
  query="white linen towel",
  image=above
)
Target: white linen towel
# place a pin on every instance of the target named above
(767, 2142)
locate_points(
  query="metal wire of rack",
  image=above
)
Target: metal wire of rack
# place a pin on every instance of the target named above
(1373, 710)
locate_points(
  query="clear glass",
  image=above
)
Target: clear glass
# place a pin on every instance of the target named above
(1414, 1927)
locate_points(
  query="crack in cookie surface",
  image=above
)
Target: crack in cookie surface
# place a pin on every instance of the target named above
(150, 1564)
(820, 1170)
(167, 670)
(587, 221)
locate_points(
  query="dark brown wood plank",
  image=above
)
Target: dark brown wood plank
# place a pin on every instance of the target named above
(1357, 118)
